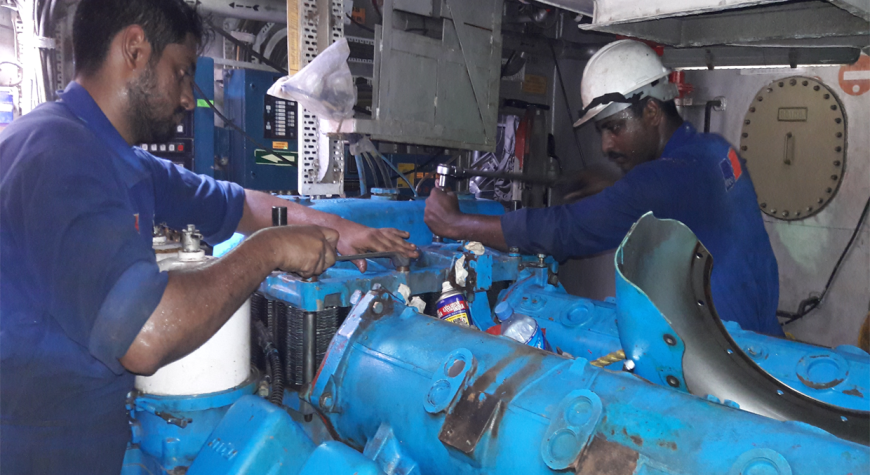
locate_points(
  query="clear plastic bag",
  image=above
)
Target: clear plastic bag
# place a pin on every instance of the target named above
(324, 87)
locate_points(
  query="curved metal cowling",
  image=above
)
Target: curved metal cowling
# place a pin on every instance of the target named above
(663, 268)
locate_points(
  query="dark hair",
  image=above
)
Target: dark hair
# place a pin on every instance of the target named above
(669, 109)
(98, 21)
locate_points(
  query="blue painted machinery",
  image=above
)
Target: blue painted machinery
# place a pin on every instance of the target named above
(648, 383)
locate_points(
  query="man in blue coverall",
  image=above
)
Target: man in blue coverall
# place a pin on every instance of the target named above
(84, 306)
(669, 169)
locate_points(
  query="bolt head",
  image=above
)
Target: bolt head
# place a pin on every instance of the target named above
(378, 307)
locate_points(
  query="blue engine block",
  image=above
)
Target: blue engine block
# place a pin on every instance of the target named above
(455, 400)
(404, 393)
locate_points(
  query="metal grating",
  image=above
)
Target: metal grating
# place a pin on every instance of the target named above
(284, 323)
(311, 145)
(327, 323)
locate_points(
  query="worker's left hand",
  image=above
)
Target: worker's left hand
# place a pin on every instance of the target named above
(358, 239)
(442, 211)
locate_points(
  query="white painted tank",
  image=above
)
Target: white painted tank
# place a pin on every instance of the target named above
(223, 362)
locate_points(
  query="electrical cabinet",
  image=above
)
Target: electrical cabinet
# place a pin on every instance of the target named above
(268, 159)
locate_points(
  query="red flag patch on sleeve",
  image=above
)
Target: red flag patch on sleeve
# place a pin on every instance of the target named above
(735, 163)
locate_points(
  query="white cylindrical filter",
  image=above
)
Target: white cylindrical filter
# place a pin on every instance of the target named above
(223, 362)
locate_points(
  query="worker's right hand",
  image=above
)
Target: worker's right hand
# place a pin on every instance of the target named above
(304, 250)
(442, 211)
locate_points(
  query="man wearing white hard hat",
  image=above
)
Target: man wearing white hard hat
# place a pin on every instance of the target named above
(669, 169)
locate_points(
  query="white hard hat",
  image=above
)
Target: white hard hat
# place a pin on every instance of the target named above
(619, 74)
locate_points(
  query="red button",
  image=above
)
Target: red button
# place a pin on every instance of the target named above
(180, 147)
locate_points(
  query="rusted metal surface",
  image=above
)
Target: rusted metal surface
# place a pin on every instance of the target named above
(603, 457)
(464, 427)
(853, 392)
(815, 385)
(481, 407)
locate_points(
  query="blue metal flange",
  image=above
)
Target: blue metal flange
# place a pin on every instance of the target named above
(822, 370)
(448, 380)
(760, 462)
(572, 426)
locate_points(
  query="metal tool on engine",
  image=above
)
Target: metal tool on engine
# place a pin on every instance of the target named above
(447, 174)
(401, 262)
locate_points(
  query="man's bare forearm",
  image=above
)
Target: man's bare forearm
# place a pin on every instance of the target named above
(196, 303)
(258, 214)
(481, 228)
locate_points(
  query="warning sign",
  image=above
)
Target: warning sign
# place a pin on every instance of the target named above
(855, 78)
(265, 157)
(534, 84)
(359, 16)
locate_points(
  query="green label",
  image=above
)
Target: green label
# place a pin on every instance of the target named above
(203, 103)
(266, 157)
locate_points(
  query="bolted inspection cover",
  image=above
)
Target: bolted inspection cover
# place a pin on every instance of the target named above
(794, 144)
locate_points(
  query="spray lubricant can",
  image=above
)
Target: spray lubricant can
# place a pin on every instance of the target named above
(525, 329)
(452, 306)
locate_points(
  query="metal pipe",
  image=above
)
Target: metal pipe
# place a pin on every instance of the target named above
(708, 111)
(274, 11)
(309, 355)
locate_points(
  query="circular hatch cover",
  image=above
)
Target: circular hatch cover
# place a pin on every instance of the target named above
(794, 143)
